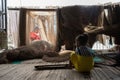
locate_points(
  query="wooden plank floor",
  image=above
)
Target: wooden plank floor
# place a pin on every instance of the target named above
(26, 71)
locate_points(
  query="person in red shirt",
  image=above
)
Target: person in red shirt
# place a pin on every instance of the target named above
(34, 35)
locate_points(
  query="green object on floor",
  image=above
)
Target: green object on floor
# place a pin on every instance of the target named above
(16, 62)
(98, 59)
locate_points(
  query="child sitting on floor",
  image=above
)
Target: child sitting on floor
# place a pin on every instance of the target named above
(82, 57)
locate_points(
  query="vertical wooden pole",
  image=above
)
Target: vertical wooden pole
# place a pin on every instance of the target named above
(22, 28)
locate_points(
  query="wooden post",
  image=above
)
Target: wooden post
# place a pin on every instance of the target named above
(22, 27)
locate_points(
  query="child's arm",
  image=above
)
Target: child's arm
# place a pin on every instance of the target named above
(65, 52)
(92, 52)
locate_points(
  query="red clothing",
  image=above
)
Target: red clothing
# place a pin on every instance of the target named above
(34, 36)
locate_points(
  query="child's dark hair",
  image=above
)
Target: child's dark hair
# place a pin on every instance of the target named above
(82, 38)
(36, 28)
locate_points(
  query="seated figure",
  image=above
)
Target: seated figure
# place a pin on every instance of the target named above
(82, 57)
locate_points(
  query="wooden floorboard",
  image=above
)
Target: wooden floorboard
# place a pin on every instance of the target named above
(26, 71)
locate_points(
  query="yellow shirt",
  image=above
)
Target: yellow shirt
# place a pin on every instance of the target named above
(82, 63)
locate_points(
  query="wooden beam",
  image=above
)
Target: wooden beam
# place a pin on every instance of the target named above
(32, 9)
(22, 27)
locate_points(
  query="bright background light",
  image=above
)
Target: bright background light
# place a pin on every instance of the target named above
(43, 3)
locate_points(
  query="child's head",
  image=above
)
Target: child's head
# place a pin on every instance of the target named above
(81, 40)
(36, 29)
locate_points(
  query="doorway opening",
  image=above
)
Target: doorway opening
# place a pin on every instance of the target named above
(45, 21)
